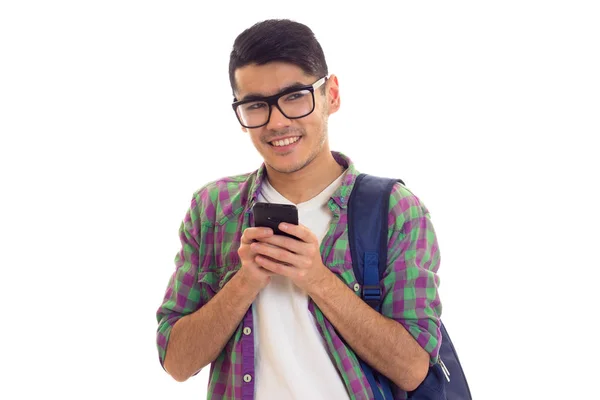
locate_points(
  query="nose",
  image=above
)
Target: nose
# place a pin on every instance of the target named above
(277, 120)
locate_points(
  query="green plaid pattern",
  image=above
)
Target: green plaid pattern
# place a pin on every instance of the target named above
(210, 236)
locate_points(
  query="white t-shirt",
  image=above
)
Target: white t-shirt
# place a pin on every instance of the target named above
(291, 361)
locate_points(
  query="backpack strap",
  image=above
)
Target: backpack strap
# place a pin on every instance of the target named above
(367, 233)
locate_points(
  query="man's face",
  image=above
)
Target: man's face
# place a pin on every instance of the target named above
(305, 138)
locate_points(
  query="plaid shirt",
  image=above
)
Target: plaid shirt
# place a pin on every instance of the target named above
(210, 237)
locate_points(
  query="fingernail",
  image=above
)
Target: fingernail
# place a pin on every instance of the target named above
(283, 226)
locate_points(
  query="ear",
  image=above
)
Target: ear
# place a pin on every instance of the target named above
(333, 94)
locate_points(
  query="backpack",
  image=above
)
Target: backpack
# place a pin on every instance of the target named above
(367, 212)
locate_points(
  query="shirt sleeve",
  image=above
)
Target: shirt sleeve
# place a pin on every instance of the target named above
(410, 282)
(183, 293)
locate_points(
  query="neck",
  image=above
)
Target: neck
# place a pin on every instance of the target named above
(303, 185)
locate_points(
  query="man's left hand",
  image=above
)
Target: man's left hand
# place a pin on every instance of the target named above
(298, 259)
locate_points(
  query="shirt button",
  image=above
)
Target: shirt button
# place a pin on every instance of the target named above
(247, 331)
(356, 287)
(247, 378)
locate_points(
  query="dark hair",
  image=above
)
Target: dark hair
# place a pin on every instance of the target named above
(277, 40)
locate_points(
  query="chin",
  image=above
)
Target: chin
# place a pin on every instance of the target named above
(293, 164)
(287, 167)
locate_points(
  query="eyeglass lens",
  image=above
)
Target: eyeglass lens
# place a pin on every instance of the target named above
(292, 105)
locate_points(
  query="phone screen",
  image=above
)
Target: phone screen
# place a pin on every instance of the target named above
(270, 215)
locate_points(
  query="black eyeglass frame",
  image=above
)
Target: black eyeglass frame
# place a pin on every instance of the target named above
(273, 101)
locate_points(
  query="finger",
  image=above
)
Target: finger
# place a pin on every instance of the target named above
(275, 253)
(255, 233)
(300, 231)
(262, 269)
(275, 267)
(294, 245)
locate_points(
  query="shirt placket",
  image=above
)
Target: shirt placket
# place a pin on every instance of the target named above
(248, 356)
(248, 372)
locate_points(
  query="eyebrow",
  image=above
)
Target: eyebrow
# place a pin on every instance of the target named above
(259, 96)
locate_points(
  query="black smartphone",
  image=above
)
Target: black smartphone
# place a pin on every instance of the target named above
(270, 215)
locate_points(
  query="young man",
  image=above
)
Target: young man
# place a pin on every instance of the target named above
(281, 318)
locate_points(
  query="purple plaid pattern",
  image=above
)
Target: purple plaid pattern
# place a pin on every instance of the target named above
(210, 236)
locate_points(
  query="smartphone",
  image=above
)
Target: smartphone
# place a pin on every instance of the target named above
(270, 215)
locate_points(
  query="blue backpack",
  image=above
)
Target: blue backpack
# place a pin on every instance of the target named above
(367, 211)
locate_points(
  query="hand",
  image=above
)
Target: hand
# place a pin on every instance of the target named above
(298, 259)
(257, 276)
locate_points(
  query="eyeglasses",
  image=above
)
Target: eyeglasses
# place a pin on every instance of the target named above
(293, 103)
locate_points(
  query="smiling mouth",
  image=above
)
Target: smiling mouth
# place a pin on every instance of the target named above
(284, 142)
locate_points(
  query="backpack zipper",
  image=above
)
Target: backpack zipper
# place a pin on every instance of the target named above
(445, 370)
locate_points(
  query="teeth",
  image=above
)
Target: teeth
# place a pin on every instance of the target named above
(285, 142)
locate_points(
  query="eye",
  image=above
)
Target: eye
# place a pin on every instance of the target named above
(295, 96)
(254, 106)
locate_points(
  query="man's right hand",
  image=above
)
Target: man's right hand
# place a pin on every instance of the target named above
(257, 276)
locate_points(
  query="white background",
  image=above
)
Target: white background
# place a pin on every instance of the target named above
(112, 113)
